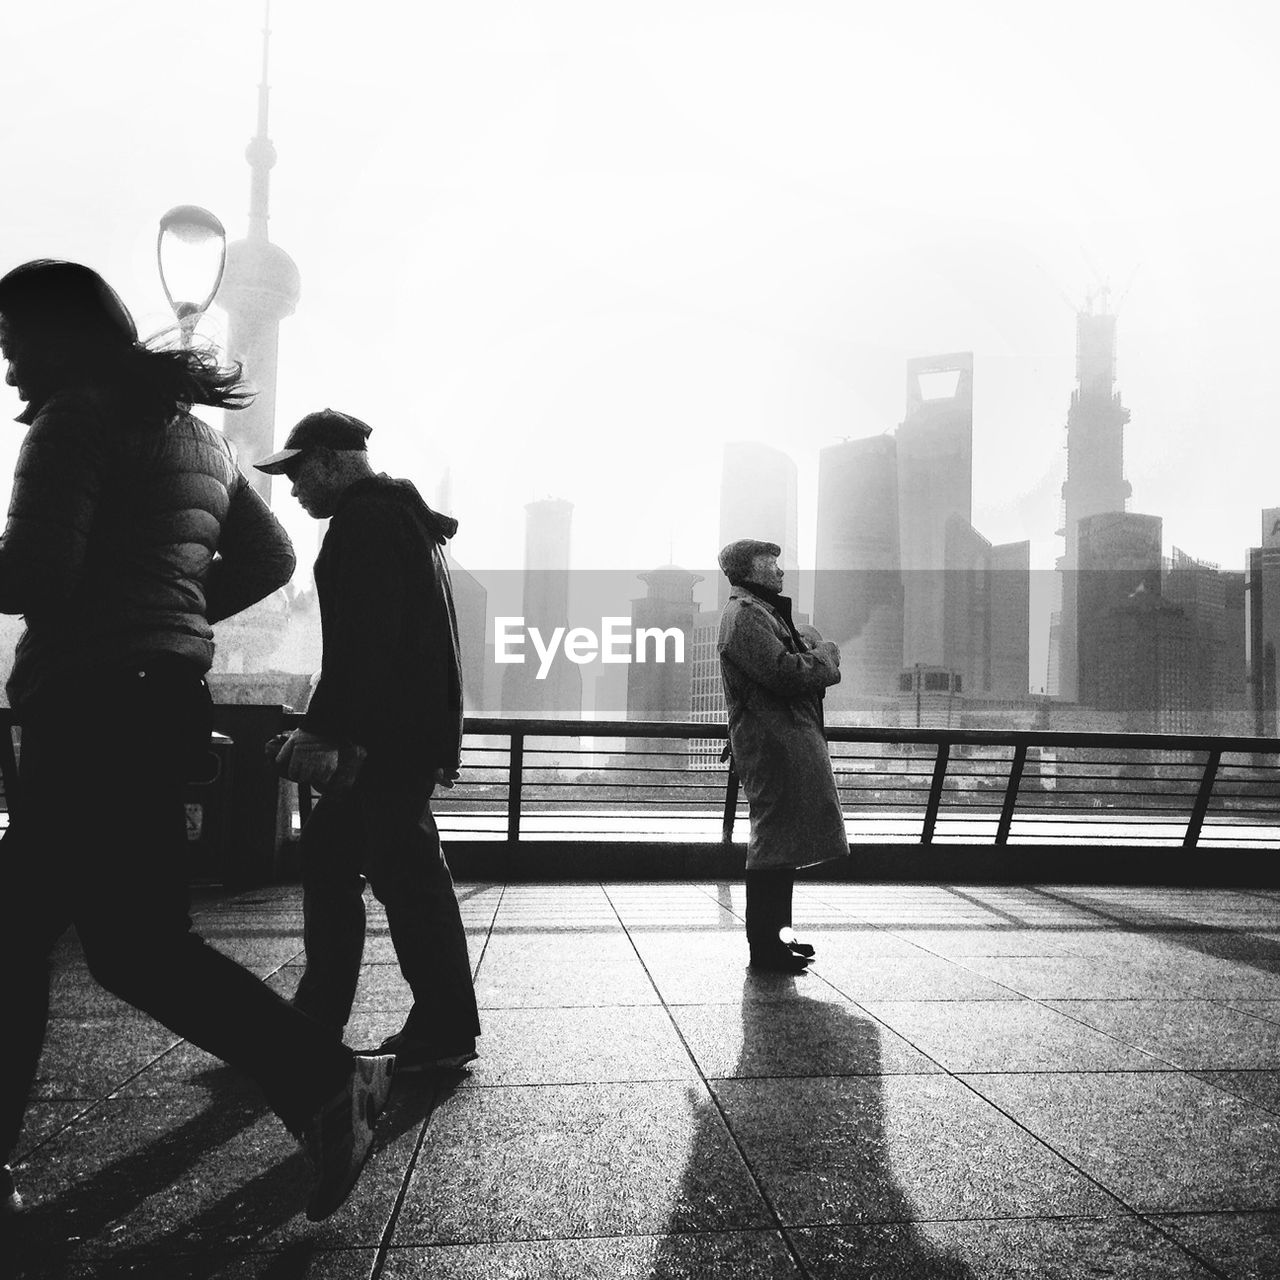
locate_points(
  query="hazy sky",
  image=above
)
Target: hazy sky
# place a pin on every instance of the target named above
(569, 249)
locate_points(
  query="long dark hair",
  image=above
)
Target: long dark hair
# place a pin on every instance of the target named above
(73, 329)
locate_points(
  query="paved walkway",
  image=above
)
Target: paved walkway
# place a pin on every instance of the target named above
(973, 1082)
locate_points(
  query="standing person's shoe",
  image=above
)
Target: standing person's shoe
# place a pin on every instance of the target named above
(413, 1055)
(10, 1200)
(338, 1138)
(777, 959)
(794, 945)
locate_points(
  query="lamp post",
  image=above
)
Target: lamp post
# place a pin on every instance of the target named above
(191, 253)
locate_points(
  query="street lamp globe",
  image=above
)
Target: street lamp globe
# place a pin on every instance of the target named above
(191, 252)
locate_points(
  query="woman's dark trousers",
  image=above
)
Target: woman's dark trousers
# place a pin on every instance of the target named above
(98, 839)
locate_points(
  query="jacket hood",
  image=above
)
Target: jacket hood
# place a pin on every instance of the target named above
(440, 526)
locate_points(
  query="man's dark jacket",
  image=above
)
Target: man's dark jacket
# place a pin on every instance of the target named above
(390, 676)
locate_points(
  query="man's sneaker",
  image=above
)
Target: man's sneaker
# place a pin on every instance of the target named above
(417, 1055)
(338, 1138)
(10, 1200)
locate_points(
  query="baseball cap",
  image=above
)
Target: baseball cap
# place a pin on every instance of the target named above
(326, 427)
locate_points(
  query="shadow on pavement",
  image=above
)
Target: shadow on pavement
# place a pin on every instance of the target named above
(1220, 942)
(106, 1224)
(793, 1049)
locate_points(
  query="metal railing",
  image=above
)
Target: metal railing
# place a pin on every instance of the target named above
(585, 782)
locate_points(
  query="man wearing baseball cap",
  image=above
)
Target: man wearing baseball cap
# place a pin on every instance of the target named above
(382, 729)
(775, 675)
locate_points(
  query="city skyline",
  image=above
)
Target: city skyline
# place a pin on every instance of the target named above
(535, 242)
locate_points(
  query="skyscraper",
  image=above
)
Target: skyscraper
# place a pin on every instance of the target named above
(1095, 482)
(986, 599)
(903, 582)
(546, 607)
(1118, 568)
(1262, 613)
(260, 288)
(758, 500)
(662, 689)
(857, 596)
(935, 488)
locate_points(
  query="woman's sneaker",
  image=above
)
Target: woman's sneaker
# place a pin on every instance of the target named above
(339, 1137)
(10, 1200)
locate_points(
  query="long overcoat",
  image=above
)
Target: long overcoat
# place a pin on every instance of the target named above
(774, 689)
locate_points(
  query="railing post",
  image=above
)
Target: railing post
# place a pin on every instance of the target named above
(1201, 806)
(935, 793)
(515, 786)
(730, 805)
(1011, 793)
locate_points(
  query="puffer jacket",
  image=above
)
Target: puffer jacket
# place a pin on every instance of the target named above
(127, 538)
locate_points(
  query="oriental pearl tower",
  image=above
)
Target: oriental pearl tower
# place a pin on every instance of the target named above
(260, 288)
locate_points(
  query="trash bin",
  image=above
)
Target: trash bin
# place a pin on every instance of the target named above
(208, 802)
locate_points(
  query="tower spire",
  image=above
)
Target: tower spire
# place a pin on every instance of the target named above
(261, 154)
(260, 288)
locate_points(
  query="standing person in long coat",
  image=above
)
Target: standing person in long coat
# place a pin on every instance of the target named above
(775, 676)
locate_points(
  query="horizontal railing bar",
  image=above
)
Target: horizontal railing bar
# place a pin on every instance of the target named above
(850, 733)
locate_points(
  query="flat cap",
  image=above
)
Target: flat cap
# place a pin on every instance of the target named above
(736, 559)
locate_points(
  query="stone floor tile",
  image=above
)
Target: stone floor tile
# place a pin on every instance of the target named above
(859, 942)
(1119, 944)
(1010, 941)
(895, 1148)
(580, 947)
(799, 1037)
(1071, 978)
(1005, 1035)
(745, 1255)
(562, 1161)
(571, 980)
(140, 1179)
(1159, 1141)
(712, 969)
(88, 1057)
(284, 982)
(1244, 1246)
(578, 1046)
(299, 1262)
(1268, 1009)
(697, 907)
(1029, 1249)
(379, 949)
(924, 977)
(75, 995)
(43, 1119)
(382, 986)
(259, 955)
(1214, 977)
(183, 1068)
(1262, 1088)
(1187, 1033)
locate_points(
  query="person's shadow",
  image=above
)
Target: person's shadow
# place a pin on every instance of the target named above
(802, 1062)
(85, 1229)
